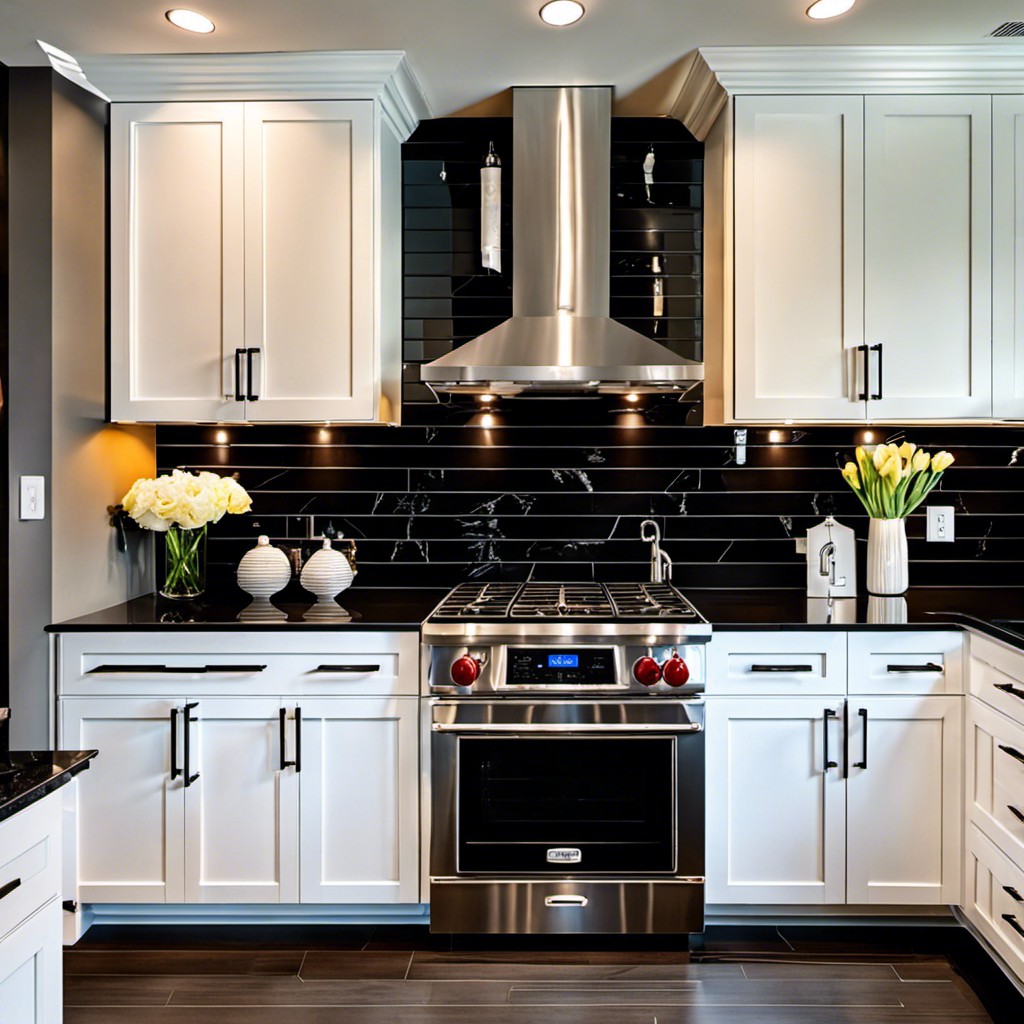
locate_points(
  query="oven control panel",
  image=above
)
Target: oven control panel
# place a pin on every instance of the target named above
(557, 666)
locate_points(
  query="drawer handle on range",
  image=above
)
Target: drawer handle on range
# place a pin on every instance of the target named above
(929, 667)
(191, 670)
(1014, 924)
(565, 901)
(1013, 894)
(7, 889)
(347, 669)
(530, 729)
(781, 668)
(1016, 812)
(1013, 752)
(1010, 689)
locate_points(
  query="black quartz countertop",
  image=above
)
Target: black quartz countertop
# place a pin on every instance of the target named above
(28, 775)
(355, 609)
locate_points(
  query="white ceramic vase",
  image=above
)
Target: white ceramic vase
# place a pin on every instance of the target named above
(264, 570)
(888, 571)
(326, 574)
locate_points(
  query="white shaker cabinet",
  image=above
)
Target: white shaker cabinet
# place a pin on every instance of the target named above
(31, 972)
(1008, 255)
(255, 268)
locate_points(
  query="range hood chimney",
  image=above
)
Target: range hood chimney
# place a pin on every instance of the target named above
(560, 338)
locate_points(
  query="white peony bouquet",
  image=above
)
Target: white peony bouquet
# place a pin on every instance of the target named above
(185, 500)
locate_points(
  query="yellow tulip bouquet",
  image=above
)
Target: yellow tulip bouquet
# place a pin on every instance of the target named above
(892, 480)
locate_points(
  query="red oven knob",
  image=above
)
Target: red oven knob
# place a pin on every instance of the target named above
(646, 671)
(675, 671)
(465, 671)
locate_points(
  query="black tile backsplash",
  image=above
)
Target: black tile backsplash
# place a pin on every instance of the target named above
(558, 488)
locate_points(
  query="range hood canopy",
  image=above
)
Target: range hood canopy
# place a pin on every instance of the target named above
(560, 338)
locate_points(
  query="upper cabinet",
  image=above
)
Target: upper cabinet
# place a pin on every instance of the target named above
(862, 258)
(256, 246)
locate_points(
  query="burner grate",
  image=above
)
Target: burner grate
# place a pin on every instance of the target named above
(475, 600)
(649, 600)
(562, 601)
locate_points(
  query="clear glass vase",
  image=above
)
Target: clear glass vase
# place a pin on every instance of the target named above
(185, 563)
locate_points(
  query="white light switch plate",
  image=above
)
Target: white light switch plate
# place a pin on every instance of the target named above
(940, 523)
(33, 498)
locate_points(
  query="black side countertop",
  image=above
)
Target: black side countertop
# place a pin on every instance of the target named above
(28, 775)
(357, 609)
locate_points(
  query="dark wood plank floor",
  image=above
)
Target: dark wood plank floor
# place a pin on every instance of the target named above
(377, 976)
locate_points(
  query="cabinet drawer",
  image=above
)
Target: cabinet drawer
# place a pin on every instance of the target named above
(29, 861)
(236, 664)
(909, 662)
(777, 663)
(995, 777)
(995, 899)
(997, 676)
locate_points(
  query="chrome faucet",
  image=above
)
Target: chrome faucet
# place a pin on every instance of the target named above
(661, 564)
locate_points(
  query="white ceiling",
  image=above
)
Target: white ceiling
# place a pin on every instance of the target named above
(464, 51)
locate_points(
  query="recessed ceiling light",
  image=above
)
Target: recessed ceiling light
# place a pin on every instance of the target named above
(190, 21)
(822, 9)
(562, 12)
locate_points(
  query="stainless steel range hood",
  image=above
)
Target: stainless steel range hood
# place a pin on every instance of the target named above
(560, 338)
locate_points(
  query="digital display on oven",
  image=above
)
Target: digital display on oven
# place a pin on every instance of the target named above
(536, 666)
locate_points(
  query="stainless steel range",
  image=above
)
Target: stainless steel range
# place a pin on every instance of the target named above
(567, 759)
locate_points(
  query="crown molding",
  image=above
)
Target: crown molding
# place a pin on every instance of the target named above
(700, 100)
(996, 67)
(382, 75)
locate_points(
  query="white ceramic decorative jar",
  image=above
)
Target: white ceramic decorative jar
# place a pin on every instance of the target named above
(326, 574)
(264, 570)
(888, 571)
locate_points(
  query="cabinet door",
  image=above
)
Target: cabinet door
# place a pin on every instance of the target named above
(927, 289)
(127, 792)
(799, 257)
(241, 814)
(1008, 256)
(31, 977)
(359, 800)
(775, 816)
(904, 806)
(176, 277)
(309, 260)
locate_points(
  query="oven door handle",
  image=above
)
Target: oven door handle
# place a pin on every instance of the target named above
(563, 728)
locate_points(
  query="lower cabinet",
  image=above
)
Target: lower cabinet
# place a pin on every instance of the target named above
(31, 990)
(247, 799)
(813, 800)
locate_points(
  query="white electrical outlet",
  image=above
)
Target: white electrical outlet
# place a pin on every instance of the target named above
(33, 498)
(940, 523)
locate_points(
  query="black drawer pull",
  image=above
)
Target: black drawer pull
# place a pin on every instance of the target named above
(284, 718)
(1010, 689)
(1013, 752)
(1016, 812)
(1013, 894)
(828, 764)
(298, 739)
(175, 770)
(863, 712)
(7, 889)
(347, 669)
(863, 350)
(191, 670)
(250, 375)
(930, 667)
(239, 356)
(1014, 924)
(781, 668)
(189, 778)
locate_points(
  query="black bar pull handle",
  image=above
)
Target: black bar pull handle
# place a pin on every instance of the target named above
(1016, 812)
(6, 890)
(828, 765)
(347, 669)
(250, 375)
(1013, 894)
(189, 778)
(1010, 689)
(284, 718)
(878, 394)
(782, 668)
(846, 739)
(239, 356)
(929, 667)
(175, 770)
(863, 350)
(863, 763)
(298, 739)
(1013, 752)
(1012, 921)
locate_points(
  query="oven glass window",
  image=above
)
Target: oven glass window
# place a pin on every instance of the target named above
(566, 804)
